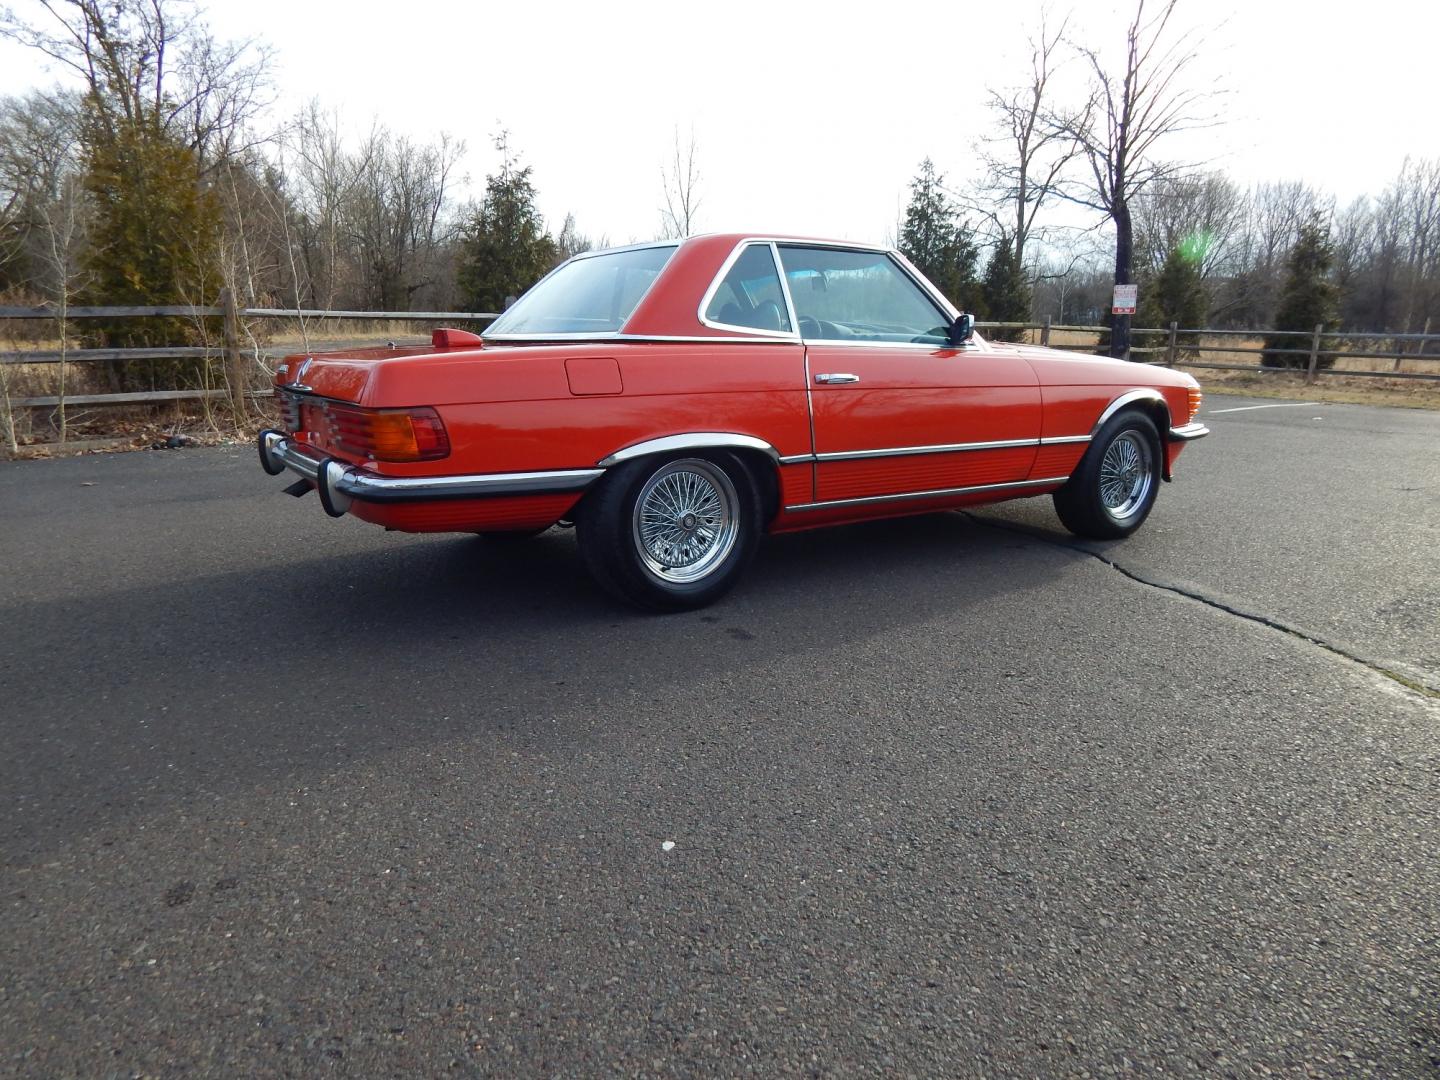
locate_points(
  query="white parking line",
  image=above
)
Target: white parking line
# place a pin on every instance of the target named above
(1247, 408)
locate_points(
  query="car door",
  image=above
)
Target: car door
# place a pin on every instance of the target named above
(897, 410)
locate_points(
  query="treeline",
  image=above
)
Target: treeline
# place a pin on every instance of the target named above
(162, 178)
(1208, 253)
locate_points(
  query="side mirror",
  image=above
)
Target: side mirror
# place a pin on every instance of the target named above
(962, 330)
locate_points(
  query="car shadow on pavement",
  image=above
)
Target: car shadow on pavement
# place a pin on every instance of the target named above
(222, 682)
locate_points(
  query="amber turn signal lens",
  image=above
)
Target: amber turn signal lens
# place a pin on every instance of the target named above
(391, 434)
(1196, 397)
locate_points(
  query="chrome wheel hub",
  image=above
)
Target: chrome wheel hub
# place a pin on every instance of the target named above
(686, 520)
(1127, 473)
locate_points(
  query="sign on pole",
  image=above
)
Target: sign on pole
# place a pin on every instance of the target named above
(1125, 297)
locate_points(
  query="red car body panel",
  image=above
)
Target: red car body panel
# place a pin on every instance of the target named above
(911, 434)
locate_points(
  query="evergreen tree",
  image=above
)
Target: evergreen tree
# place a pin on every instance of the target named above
(1177, 294)
(1308, 298)
(505, 248)
(154, 241)
(1006, 295)
(930, 238)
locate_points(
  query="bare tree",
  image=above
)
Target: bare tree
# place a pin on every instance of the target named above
(571, 242)
(1206, 213)
(1273, 216)
(39, 151)
(63, 221)
(1025, 161)
(1131, 110)
(152, 62)
(681, 184)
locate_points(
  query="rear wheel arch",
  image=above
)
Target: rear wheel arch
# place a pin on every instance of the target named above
(608, 530)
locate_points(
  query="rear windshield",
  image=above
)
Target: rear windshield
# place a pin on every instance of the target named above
(590, 295)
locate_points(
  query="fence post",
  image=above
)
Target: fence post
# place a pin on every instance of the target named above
(1419, 345)
(1170, 348)
(1314, 354)
(1045, 332)
(234, 361)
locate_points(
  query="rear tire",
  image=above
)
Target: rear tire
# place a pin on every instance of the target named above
(670, 534)
(1113, 489)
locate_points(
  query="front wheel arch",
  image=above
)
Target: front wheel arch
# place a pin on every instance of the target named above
(1113, 489)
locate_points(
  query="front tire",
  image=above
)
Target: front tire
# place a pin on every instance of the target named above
(670, 534)
(1113, 490)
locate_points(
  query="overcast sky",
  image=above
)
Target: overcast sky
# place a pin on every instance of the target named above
(812, 117)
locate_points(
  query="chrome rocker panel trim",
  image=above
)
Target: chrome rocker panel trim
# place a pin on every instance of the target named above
(344, 482)
(944, 448)
(1053, 481)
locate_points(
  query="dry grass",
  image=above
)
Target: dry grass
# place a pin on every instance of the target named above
(1282, 383)
(271, 340)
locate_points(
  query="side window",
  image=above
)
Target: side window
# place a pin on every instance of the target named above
(750, 294)
(846, 295)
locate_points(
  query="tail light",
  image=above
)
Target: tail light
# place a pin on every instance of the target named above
(1195, 398)
(388, 434)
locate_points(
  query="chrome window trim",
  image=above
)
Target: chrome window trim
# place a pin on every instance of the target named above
(785, 288)
(576, 258)
(925, 283)
(1129, 398)
(936, 494)
(695, 440)
(907, 270)
(611, 336)
(623, 247)
(711, 340)
(848, 343)
(793, 334)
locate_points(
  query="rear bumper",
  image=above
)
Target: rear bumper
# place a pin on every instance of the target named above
(339, 482)
(1186, 432)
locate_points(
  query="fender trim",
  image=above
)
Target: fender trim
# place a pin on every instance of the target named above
(697, 440)
(1130, 397)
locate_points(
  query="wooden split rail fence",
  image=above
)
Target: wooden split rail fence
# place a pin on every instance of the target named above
(1185, 348)
(238, 359)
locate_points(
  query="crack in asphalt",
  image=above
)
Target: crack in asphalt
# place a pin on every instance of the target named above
(1408, 682)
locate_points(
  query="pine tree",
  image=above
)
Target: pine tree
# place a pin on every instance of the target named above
(930, 238)
(1308, 299)
(1177, 294)
(1006, 295)
(154, 241)
(505, 248)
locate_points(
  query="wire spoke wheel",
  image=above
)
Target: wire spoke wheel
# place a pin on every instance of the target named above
(1127, 473)
(685, 521)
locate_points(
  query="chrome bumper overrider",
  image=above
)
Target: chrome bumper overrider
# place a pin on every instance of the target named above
(339, 482)
(1192, 430)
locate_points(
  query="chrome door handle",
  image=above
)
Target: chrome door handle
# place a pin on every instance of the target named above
(838, 377)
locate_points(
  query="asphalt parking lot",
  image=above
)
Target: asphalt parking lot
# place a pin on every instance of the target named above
(949, 795)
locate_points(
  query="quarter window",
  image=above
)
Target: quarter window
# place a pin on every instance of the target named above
(847, 295)
(749, 295)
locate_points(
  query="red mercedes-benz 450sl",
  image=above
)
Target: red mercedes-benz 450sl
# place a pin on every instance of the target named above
(674, 401)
